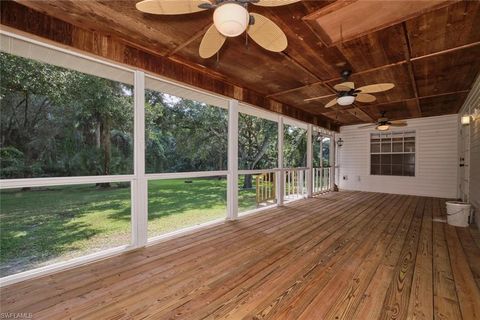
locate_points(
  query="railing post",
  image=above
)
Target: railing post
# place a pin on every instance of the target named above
(280, 173)
(232, 177)
(309, 171)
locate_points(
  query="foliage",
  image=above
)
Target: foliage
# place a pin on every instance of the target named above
(62, 121)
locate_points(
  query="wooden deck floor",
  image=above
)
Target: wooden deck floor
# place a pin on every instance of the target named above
(346, 255)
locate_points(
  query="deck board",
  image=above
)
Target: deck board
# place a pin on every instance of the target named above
(343, 255)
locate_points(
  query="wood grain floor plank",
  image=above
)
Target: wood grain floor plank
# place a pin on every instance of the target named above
(342, 255)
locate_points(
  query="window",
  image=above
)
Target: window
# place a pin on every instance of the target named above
(257, 143)
(392, 153)
(59, 122)
(294, 147)
(45, 225)
(174, 204)
(183, 135)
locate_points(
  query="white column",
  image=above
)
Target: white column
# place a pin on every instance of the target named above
(333, 160)
(309, 171)
(139, 189)
(232, 178)
(280, 173)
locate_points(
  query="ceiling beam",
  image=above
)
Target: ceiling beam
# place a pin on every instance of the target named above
(407, 49)
(470, 45)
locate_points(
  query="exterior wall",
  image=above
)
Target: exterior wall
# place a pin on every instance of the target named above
(471, 138)
(436, 160)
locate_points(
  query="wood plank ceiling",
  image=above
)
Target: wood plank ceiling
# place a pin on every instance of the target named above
(433, 57)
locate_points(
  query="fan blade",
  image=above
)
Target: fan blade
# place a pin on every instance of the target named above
(212, 42)
(379, 87)
(331, 103)
(274, 3)
(398, 123)
(365, 97)
(346, 86)
(368, 126)
(320, 97)
(170, 7)
(267, 34)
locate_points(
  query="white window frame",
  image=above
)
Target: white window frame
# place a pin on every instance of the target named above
(139, 179)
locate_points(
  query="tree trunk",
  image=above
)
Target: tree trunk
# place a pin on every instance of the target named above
(106, 145)
(247, 182)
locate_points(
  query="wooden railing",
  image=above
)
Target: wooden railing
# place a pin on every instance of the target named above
(321, 179)
(265, 187)
(295, 186)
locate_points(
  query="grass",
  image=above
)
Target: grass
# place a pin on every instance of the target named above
(46, 225)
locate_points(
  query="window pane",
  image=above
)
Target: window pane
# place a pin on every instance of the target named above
(386, 159)
(397, 169)
(174, 204)
(409, 158)
(184, 135)
(256, 191)
(317, 154)
(375, 148)
(295, 147)
(59, 122)
(386, 169)
(326, 151)
(386, 147)
(375, 169)
(409, 170)
(397, 158)
(375, 159)
(398, 146)
(257, 143)
(41, 226)
(409, 146)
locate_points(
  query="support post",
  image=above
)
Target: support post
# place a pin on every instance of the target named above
(139, 186)
(280, 172)
(309, 171)
(232, 178)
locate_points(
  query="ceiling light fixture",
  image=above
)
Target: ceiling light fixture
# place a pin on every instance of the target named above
(231, 19)
(345, 100)
(383, 127)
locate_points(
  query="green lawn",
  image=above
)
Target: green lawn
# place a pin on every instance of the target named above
(46, 225)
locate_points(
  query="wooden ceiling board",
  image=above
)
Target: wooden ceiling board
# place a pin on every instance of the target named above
(251, 66)
(449, 72)
(345, 20)
(304, 47)
(376, 49)
(446, 104)
(445, 28)
(449, 36)
(343, 116)
(394, 111)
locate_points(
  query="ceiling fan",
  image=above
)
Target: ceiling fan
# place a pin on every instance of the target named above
(383, 124)
(230, 19)
(347, 94)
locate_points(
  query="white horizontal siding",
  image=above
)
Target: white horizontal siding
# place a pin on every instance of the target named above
(436, 160)
(473, 130)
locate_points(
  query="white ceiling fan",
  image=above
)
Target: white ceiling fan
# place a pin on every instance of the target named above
(347, 94)
(230, 19)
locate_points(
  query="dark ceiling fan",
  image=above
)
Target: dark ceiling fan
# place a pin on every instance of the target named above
(347, 94)
(384, 124)
(230, 19)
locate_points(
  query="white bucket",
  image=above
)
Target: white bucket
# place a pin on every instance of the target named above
(458, 213)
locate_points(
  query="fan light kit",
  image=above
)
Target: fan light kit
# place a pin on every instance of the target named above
(230, 19)
(348, 94)
(345, 100)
